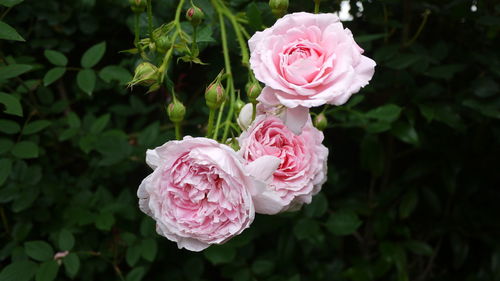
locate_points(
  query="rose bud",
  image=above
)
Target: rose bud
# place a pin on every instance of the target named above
(320, 122)
(278, 7)
(137, 6)
(162, 44)
(245, 116)
(146, 74)
(215, 95)
(194, 15)
(238, 105)
(176, 111)
(253, 91)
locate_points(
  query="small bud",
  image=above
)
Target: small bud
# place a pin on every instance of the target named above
(238, 105)
(163, 44)
(215, 95)
(138, 6)
(195, 15)
(146, 74)
(245, 117)
(253, 91)
(278, 7)
(176, 111)
(320, 121)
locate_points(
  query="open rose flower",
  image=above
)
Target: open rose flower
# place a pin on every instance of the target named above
(301, 162)
(309, 60)
(198, 194)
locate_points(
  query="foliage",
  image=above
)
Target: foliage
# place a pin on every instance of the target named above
(412, 191)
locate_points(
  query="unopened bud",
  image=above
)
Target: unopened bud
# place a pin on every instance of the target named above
(146, 74)
(163, 44)
(245, 117)
(320, 122)
(215, 95)
(278, 7)
(137, 6)
(238, 105)
(176, 111)
(195, 15)
(253, 91)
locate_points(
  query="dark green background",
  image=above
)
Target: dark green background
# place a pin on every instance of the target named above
(413, 179)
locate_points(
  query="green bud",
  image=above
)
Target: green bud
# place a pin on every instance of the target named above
(278, 7)
(253, 89)
(195, 15)
(238, 105)
(320, 121)
(163, 44)
(176, 111)
(215, 95)
(146, 74)
(138, 6)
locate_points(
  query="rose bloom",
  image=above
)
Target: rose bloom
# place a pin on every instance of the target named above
(198, 194)
(301, 162)
(309, 60)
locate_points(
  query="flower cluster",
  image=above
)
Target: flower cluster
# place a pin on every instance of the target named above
(203, 192)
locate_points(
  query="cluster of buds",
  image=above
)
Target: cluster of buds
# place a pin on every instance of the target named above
(138, 6)
(278, 7)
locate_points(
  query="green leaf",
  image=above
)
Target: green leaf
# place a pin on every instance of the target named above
(74, 120)
(262, 267)
(53, 75)
(56, 58)
(93, 55)
(388, 113)
(133, 255)
(220, 254)
(318, 206)
(12, 104)
(136, 274)
(408, 204)
(343, 223)
(5, 145)
(445, 71)
(47, 271)
(19, 271)
(39, 250)
(25, 150)
(86, 80)
(405, 132)
(105, 221)
(7, 32)
(13, 70)
(10, 3)
(419, 248)
(5, 168)
(100, 124)
(149, 249)
(254, 16)
(9, 127)
(35, 127)
(306, 229)
(403, 61)
(115, 73)
(72, 264)
(66, 240)
(368, 37)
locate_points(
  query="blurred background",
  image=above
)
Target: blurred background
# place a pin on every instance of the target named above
(413, 182)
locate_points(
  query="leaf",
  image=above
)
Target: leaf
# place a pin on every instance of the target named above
(115, 73)
(388, 113)
(405, 132)
(262, 267)
(7, 32)
(220, 254)
(133, 254)
(13, 70)
(105, 221)
(419, 248)
(343, 223)
(74, 120)
(56, 58)
(5, 168)
(368, 37)
(9, 127)
(403, 61)
(66, 240)
(100, 124)
(10, 3)
(408, 204)
(12, 104)
(35, 127)
(445, 71)
(53, 75)
(19, 271)
(318, 206)
(254, 16)
(5, 145)
(86, 80)
(93, 55)
(306, 229)
(136, 274)
(25, 150)
(39, 250)
(47, 271)
(149, 249)
(72, 264)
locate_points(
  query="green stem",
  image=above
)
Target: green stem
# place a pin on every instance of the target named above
(178, 133)
(219, 118)
(150, 19)
(420, 28)
(137, 31)
(211, 117)
(239, 35)
(316, 6)
(254, 110)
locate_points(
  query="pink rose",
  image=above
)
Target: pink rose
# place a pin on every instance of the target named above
(198, 194)
(309, 60)
(301, 162)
